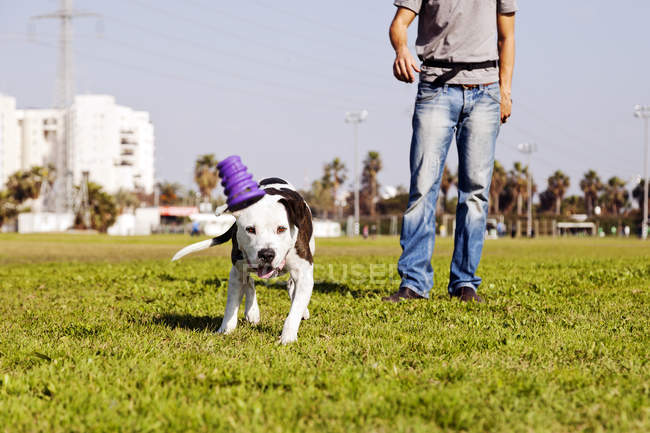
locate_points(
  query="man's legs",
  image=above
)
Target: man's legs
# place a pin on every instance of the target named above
(476, 137)
(436, 112)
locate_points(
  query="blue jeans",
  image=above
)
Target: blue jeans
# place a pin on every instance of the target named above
(473, 116)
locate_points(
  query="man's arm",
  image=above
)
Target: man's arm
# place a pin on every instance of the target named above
(404, 64)
(506, 29)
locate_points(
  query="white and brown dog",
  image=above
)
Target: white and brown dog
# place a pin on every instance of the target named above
(269, 238)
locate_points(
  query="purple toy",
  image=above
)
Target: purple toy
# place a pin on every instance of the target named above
(240, 188)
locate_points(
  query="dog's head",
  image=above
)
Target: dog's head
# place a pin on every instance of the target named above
(268, 230)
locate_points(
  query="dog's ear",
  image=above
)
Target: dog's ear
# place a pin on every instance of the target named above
(225, 237)
(297, 210)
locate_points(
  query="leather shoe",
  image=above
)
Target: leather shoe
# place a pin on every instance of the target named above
(403, 293)
(467, 294)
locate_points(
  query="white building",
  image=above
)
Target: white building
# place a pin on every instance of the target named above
(10, 150)
(37, 136)
(115, 144)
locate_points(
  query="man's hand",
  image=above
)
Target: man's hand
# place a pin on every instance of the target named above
(404, 64)
(506, 105)
(506, 31)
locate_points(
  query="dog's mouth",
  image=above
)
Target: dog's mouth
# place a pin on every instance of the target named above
(267, 271)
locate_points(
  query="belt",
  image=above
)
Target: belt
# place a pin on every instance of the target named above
(456, 67)
(466, 66)
(473, 86)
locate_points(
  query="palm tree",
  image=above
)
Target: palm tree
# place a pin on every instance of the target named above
(637, 193)
(206, 175)
(169, 193)
(616, 196)
(499, 180)
(23, 185)
(448, 179)
(126, 200)
(591, 186)
(8, 207)
(519, 184)
(319, 198)
(334, 176)
(558, 183)
(371, 166)
(102, 207)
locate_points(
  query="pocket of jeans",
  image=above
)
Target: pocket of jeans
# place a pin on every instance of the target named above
(427, 93)
(494, 92)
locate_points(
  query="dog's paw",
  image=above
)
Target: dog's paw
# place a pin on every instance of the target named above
(305, 315)
(253, 317)
(225, 329)
(288, 337)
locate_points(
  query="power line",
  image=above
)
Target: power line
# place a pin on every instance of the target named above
(213, 50)
(242, 37)
(229, 74)
(194, 81)
(557, 127)
(581, 154)
(333, 28)
(275, 28)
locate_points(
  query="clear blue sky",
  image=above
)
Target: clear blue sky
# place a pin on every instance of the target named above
(271, 80)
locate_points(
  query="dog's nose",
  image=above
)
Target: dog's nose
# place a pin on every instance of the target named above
(266, 255)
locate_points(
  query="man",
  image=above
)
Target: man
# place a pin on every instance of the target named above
(467, 50)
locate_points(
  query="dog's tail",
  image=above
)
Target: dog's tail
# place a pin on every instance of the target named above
(204, 245)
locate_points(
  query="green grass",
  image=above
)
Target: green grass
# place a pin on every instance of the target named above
(105, 334)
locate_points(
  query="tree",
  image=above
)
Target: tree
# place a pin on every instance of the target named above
(23, 185)
(8, 207)
(499, 180)
(518, 183)
(637, 193)
(102, 207)
(319, 198)
(206, 175)
(369, 185)
(591, 187)
(26, 184)
(126, 200)
(547, 201)
(448, 179)
(169, 193)
(558, 183)
(574, 204)
(335, 174)
(615, 196)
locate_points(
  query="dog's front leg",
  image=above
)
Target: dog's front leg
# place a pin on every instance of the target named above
(252, 310)
(236, 282)
(303, 278)
(291, 289)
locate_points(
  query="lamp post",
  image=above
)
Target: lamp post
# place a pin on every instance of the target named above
(355, 118)
(528, 149)
(643, 112)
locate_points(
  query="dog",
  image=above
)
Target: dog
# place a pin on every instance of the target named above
(271, 237)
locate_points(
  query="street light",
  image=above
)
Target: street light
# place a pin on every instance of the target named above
(356, 117)
(528, 149)
(643, 112)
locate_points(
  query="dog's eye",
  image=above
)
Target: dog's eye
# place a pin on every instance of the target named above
(250, 229)
(282, 229)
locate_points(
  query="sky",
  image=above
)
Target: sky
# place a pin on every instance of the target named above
(271, 81)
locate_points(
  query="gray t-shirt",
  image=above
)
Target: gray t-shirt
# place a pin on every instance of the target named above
(458, 31)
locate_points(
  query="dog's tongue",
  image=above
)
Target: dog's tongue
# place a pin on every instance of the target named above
(267, 271)
(262, 274)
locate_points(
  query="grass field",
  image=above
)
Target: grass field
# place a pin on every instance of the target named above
(105, 334)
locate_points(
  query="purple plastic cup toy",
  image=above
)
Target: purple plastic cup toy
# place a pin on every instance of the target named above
(240, 188)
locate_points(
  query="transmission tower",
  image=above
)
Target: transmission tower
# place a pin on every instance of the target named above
(62, 190)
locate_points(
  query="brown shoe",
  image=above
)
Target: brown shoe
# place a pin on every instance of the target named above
(403, 293)
(467, 294)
